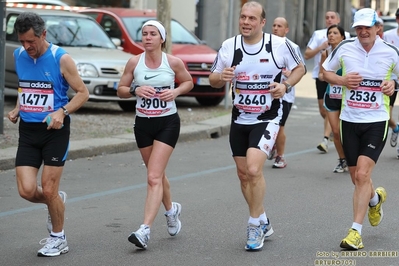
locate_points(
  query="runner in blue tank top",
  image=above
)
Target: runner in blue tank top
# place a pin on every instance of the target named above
(45, 72)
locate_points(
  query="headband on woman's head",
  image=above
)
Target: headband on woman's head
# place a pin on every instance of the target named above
(158, 25)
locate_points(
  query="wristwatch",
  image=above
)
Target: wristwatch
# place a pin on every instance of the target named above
(65, 110)
(288, 87)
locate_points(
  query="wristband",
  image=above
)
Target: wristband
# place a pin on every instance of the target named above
(133, 90)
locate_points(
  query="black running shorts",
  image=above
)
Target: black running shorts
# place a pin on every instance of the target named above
(165, 129)
(286, 111)
(38, 145)
(366, 139)
(321, 87)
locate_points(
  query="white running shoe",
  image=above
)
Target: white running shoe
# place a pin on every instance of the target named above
(394, 137)
(141, 237)
(323, 146)
(53, 246)
(172, 220)
(280, 162)
(63, 196)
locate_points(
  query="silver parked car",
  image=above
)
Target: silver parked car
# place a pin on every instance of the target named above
(99, 62)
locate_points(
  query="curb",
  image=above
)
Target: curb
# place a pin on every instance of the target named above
(211, 128)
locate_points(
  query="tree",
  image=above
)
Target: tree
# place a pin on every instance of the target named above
(164, 15)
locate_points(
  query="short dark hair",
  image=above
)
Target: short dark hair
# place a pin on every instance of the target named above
(397, 12)
(29, 20)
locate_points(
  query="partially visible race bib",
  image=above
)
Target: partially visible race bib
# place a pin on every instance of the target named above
(335, 92)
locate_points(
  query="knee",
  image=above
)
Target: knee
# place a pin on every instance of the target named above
(49, 193)
(154, 180)
(27, 191)
(253, 172)
(28, 194)
(362, 177)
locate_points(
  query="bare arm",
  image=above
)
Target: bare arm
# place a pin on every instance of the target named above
(218, 80)
(296, 74)
(310, 53)
(182, 75)
(127, 78)
(323, 58)
(71, 75)
(14, 113)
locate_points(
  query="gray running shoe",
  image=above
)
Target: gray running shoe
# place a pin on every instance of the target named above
(141, 237)
(173, 222)
(341, 167)
(53, 246)
(255, 238)
(394, 138)
(267, 229)
(63, 196)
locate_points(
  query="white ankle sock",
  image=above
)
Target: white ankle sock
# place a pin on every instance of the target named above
(374, 200)
(263, 218)
(357, 227)
(254, 221)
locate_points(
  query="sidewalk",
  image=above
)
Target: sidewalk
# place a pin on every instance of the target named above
(212, 128)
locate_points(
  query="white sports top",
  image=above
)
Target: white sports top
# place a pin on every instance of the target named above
(257, 66)
(367, 103)
(391, 36)
(290, 97)
(319, 37)
(161, 78)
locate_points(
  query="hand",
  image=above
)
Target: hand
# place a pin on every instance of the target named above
(167, 95)
(277, 90)
(352, 80)
(227, 74)
(13, 115)
(388, 87)
(324, 46)
(55, 120)
(145, 92)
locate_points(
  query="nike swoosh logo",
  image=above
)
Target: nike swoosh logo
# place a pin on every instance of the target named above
(150, 77)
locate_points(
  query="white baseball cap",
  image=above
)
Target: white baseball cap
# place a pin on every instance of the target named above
(365, 17)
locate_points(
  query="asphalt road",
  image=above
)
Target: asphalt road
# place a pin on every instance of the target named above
(310, 208)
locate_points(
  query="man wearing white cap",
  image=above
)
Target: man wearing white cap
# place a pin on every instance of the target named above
(367, 63)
